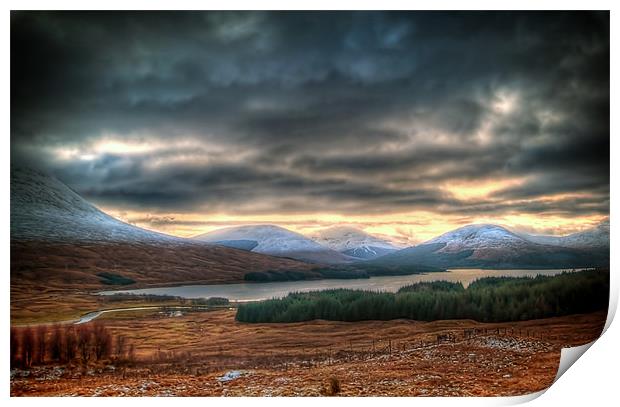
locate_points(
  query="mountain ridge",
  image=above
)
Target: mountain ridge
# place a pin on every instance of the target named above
(43, 207)
(493, 246)
(597, 236)
(276, 241)
(354, 242)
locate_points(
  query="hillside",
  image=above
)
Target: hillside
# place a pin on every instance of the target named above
(492, 246)
(354, 242)
(60, 239)
(275, 241)
(595, 238)
(43, 208)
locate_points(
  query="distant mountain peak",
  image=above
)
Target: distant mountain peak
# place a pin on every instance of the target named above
(354, 242)
(348, 237)
(277, 241)
(596, 237)
(477, 236)
(270, 238)
(494, 246)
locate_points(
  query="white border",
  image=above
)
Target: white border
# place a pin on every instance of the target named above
(594, 378)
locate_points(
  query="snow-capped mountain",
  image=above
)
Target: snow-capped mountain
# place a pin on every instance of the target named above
(479, 237)
(597, 237)
(269, 238)
(275, 241)
(354, 242)
(60, 239)
(42, 207)
(493, 246)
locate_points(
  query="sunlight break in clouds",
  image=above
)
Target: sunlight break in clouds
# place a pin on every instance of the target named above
(333, 117)
(403, 229)
(470, 190)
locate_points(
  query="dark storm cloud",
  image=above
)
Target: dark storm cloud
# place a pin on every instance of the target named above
(248, 188)
(350, 112)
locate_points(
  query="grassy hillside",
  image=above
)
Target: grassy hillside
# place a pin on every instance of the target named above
(91, 265)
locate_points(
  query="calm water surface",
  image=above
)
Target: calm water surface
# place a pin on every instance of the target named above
(262, 291)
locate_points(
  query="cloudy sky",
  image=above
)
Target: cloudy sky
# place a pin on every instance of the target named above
(404, 124)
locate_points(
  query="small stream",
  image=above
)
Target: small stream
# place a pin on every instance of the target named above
(96, 314)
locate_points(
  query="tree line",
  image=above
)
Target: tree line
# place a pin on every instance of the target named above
(491, 299)
(64, 344)
(159, 298)
(348, 271)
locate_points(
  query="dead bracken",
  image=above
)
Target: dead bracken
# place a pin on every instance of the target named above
(198, 350)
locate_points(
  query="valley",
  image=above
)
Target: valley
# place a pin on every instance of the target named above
(305, 202)
(180, 335)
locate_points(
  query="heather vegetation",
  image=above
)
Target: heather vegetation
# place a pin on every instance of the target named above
(485, 300)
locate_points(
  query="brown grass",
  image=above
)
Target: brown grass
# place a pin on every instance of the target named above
(36, 265)
(185, 356)
(54, 282)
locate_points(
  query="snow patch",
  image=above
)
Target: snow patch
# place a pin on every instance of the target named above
(43, 208)
(597, 237)
(343, 238)
(232, 375)
(476, 237)
(270, 239)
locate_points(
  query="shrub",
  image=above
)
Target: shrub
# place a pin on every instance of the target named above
(56, 344)
(333, 386)
(41, 342)
(114, 279)
(14, 343)
(27, 348)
